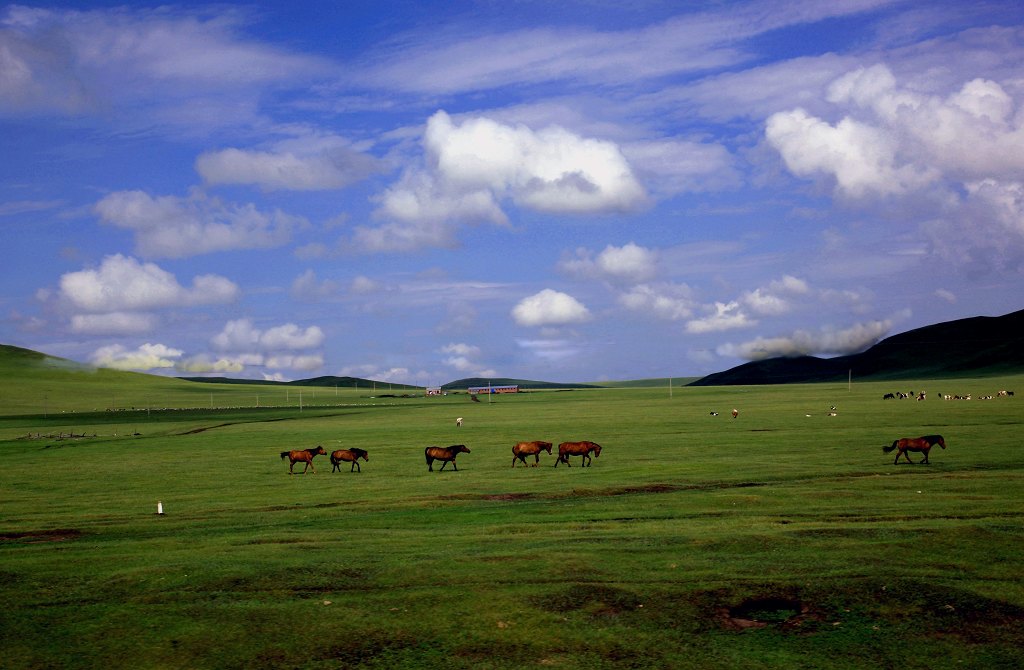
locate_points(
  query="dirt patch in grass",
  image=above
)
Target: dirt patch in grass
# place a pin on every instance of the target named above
(41, 536)
(763, 611)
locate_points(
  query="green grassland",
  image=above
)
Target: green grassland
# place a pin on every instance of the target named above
(776, 539)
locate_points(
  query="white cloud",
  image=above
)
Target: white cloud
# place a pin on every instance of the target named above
(549, 308)
(146, 357)
(726, 316)
(774, 299)
(473, 166)
(123, 284)
(629, 263)
(320, 163)
(861, 158)
(241, 335)
(179, 65)
(289, 336)
(805, 343)
(671, 302)
(172, 227)
(449, 61)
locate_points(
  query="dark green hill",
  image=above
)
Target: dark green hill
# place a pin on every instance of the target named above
(326, 381)
(524, 384)
(977, 346)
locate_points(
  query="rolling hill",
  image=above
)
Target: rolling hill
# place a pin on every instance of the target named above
(977, 346)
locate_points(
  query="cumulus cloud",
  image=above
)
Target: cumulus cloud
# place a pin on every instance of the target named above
(630, 263)
(320, 163)
(473, 166)
(241, 335)
(146, 357)
(123, 284)
(173, 227)
(961, 153)
(861, 158)
(725, 316)
(774, 299)
(670, 302)
(806, 343)
(549, 308)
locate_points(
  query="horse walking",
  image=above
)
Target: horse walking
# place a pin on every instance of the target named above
(523, 449)
(908, 444)
(303, 455)
(445, 454)
(584, 449)
(351, 455)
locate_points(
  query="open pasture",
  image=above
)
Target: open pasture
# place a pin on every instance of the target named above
(775, 539)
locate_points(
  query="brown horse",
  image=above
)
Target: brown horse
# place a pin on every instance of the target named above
(922, 444)
(351, 455)
(304, 455)
(524, 449)
(584, 449)
(446, 454)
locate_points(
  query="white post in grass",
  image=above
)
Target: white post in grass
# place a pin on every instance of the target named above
(159, 507)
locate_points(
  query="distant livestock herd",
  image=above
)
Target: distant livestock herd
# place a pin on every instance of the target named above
(921, 395)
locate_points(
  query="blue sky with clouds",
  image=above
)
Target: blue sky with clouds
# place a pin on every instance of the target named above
(578, 191)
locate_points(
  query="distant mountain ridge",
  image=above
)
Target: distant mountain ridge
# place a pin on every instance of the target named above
(976, 346)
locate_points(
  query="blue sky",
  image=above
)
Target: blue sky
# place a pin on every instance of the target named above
(581, 191)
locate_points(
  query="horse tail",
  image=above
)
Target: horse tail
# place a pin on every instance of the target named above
(889, 448)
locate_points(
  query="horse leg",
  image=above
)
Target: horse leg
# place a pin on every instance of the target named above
(536, 460)
(430, 464)
(290, 466)
(897, 461)
(454, 466)
(443, 463)
(907, 454)
(925, 459)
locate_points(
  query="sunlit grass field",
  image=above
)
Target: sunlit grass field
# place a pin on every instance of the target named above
(781, 538)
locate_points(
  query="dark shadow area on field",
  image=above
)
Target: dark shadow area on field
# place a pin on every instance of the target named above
(41, 536)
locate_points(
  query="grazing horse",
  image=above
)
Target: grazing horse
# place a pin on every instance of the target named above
(446, 454)
(584, 449)
(351, 455)
(524, 449)
(922, 444)
(304, 455)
